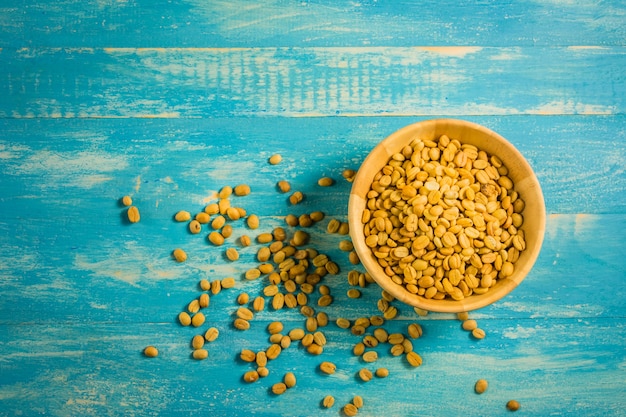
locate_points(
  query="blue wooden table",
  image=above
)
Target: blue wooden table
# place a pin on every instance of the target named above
(169, 102)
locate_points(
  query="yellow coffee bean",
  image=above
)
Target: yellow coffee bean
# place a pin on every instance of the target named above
(325, 182)
(265, 238)
(481, 386)
(350, 410)
(245, 240)
(133, 214)
(397, 350)
(414, 359)
(390, 313)
(228, 282)
(242, 190)
(348, 174)
(354, 293)
(328, 401)
(225, 192)
(179, 255)
(232, 254)
(325, 300)
(266, 268)
(322, 318)
(197, 320)
(279, 388)
(195, 227)
(319, 338)
(197, 342)
(343, 323)
(358, 349)
(283, 186)
(273, 351)
(252, 274)
(381, 335)
(328, 368)
(232, 213)
(216, 238)
(200, 354)
(218, 222)
(296, 334)
(182, 216)
(184, 318)
(247, 355)
(365, 375)
(275, 159)
(317, 216)
(285, 342)
(151, 352)
(382, 372)
(296, 198)
(253, 221)
(469, 325)
(261, 359)
(202, 217)
(357, 400)
(127, 200)
(513, 405)
(216, 287)
(204, 300)
(212, 209)
(290, 380)
(311, 324)
(370, 356)
(211, 334)
(478, 333)
(251, 376)
(245, 313)
(275, 327)
(258, 304)
(241, 324)
(415, 330)
(194, 306)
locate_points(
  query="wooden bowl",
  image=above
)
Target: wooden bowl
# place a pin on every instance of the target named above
(520, 172)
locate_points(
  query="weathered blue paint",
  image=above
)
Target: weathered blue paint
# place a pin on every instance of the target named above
(223, 23)
(170, 102)
(415, 81)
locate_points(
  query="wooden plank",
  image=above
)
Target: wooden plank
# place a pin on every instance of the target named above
(64, 229)
(108, 272)
(180, 162)
(91, 369)
(295, 82)
(196, 23)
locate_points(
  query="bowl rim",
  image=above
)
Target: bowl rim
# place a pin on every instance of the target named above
(356, 204)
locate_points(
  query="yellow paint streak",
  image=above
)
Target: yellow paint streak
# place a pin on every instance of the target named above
(166, 115)
(211, 197)
(137, 183)
(585, 47)
(456, 51)
(117, 51)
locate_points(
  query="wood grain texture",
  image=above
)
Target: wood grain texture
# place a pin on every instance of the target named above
(416, 81)
(194, 157)
(533, 361)
(170, 101)
(222, 23)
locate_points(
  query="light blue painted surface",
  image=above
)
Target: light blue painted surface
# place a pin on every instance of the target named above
(88, 114)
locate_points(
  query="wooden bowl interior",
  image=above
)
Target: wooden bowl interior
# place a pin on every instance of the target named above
(526, 184)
